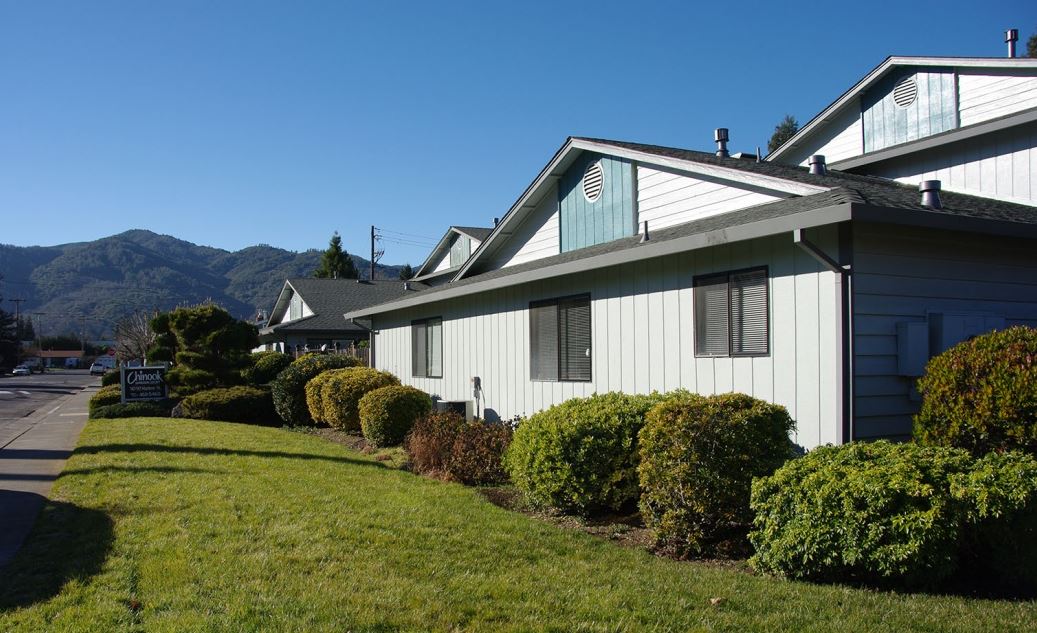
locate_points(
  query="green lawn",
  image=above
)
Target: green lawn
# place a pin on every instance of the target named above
(193, 526)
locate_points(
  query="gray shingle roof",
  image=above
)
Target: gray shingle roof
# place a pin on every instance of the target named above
(331, 298)
(476, 232)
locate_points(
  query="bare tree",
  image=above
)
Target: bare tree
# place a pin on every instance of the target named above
(134, 336)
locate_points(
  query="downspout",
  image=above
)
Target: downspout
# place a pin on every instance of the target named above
(367, 324)
(844, 282)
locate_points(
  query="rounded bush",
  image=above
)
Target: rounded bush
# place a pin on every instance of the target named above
(387, 414)
(132, 410)
(580, 455)
(289, 388)
(343, 390)
(315, 395)
(105, 396)
(698, 459)
(251, 405)
(265, 367)
(111, 377)
(981, 395)
(442, 444)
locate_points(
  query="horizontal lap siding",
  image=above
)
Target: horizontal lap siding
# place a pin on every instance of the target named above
(536, 238)
(666, 199)
(986, 96)
(901, 275)
(838, 139)
(642, 337)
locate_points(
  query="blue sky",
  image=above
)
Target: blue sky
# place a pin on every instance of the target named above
(236, 123)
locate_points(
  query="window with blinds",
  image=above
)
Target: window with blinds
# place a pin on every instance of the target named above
(732, 314)
(427, 348)
(560, 339)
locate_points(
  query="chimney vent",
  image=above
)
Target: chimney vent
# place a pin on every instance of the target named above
(496, 221)
(644, 232)
(930, 194)
(406, 285)
(721, 138)
(817, 165)
(1011, 37)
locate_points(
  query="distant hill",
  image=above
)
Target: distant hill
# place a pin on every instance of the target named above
(90, 285)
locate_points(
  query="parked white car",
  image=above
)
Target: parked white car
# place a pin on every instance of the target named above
(97, 369)
(21, 370)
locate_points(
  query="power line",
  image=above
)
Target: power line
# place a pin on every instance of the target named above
(421, 237)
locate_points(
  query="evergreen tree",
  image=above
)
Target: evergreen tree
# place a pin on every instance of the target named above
(782, 132)
(8, 339)
(336, 263)
(26, 332)
(406, 272)
(1031, 46)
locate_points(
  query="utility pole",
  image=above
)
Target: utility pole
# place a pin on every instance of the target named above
(372, 252)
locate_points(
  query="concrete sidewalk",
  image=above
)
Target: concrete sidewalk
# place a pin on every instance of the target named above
(31, 461)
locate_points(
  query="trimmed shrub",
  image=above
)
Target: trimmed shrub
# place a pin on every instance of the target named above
(265, 367)
(981, 395)
(580, 455)
(343, 390)
(315, 395)
(112, 394)
(132, 410)
(442, 444)
(877, 512)
(111, 377)
(289, 388)
(251, 405)
(387, 414)
(698, 459)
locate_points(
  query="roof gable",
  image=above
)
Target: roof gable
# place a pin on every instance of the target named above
(330, 299)
(442, 248)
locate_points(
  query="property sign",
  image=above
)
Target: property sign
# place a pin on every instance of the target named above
(140, 384)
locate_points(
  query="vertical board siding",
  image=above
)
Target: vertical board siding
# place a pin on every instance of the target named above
(665, 198)
(838, 139)
(985, 95)
(642, 336)
(903, 274)
(611, 216)
(1000, 165)
(934, 109)
(536, 238)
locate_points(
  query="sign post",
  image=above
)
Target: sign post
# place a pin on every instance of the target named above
(143, 384)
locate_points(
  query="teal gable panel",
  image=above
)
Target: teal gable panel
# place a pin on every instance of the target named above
(583, 223)
(934, 109)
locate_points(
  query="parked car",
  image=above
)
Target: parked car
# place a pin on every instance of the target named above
(97, 369)
(21, 370)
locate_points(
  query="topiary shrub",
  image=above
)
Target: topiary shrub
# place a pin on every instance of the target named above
(442, 444)
(111, 377)
(981, 395)
(132, 410)
(289, 388)
(698, 459)
(251, 405)
(387, 414)
(580, 455)
(112, 394)
(343, 390)
(315, 395)
(264, 367)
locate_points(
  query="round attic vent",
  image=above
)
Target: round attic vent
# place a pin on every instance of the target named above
(593, 181)
(905, 91)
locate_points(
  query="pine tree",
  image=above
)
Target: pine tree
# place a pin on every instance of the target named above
(782, 132)
(336, 263)
(1031, 46)
(8, 340)
(406, 272)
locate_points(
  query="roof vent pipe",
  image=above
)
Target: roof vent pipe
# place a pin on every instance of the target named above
(930, 194)
(1011, 37)
(496, 221)
(720, 136)
(406, 285)
(817, 165)
(644, 232)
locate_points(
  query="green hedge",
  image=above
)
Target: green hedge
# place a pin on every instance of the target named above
(289, 388)
(133, 410)
(343, 390)
(981, 395)
(265, 367)
(105, 396)
(388, 413)
(315, 394)
(580, 455)
(698, 459)
(111, 377)
(251, 405)
(900, 515)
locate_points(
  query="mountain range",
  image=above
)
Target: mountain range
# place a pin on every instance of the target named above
(88, 286)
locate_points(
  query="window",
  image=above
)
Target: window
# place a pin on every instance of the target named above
(560, 339)
(427, 348)
(731, 314)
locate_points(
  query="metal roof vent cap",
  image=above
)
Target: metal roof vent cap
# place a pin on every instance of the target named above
(720, 136)
(817, 165)
(1011, 37)
(930, 194)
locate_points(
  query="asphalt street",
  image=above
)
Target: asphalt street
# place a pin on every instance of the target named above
(24, 399)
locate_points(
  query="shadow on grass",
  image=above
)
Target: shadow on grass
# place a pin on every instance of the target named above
(197, 450)
(67, 543)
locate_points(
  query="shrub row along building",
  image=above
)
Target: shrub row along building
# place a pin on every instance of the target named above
(898, 222)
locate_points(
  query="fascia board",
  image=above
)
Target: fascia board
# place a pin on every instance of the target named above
(281, 305)
(646, 250)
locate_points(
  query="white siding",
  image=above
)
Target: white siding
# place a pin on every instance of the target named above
(988, 94)
(536, 238)
(838, 139)
(642, 333)
(443, 263)
(902, 274)
(665, 198)
(1001, 165)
